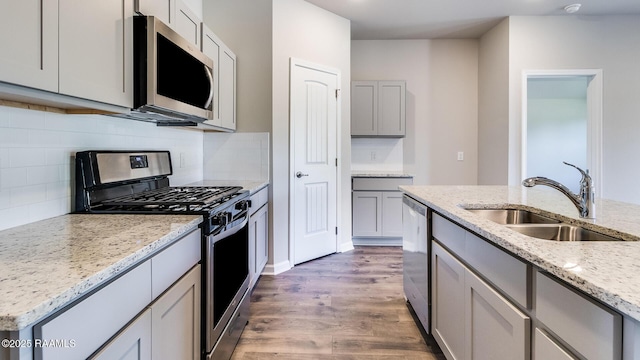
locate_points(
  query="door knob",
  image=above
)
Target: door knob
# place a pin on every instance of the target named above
(299, 174)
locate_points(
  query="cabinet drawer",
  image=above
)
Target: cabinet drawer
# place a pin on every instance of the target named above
(592, 330)
(258, 199)
(173, 262)
(449, 234)
(93, 321)
(547, 349)
(380, 184)
(503, 270)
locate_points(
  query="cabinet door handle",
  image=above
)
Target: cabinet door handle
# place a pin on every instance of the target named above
(299, 174)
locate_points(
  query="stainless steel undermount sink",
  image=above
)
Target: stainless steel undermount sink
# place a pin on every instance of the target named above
(561, 232)
(540, 226)
(513, 216)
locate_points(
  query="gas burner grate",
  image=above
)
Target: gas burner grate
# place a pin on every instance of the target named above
(183, 197)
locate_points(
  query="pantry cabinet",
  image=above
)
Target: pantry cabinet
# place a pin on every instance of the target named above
(96, 50)
(378, 108)
(29, 43)
(224, 80)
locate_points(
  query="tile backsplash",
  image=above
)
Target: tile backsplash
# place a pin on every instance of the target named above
(376, 154)
(37, 150)
(236, 156)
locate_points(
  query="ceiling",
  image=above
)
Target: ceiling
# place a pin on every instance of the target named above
(453, 19)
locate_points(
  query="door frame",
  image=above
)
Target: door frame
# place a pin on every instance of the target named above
(293, 62)
(594, 119)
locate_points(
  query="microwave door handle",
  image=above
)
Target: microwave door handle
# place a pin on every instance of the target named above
(210, 77)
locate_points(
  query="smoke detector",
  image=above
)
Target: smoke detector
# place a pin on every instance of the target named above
(573, 8)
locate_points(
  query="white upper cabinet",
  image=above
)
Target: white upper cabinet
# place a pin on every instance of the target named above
(165, 10)
(96, 50)
(187, 23)
(29, 43)
(174, 13)
(224, 79)
(378, 108)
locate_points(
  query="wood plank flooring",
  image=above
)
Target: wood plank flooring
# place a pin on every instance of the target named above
(346, 306)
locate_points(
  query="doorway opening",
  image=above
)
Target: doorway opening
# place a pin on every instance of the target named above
(562, 121)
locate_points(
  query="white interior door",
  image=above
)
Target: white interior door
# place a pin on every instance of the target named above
(314, 112)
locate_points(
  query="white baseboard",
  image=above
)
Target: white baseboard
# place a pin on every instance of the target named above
(377, 241)
(276, 269)
(344, 247)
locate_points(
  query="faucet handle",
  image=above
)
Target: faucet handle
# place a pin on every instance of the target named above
(585, 173)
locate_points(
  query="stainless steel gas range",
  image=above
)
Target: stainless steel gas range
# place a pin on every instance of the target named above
(137, 182)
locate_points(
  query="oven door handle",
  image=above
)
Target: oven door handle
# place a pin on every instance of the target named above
(230, 231)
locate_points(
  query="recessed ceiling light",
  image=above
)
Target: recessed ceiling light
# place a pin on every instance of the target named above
(570, 9)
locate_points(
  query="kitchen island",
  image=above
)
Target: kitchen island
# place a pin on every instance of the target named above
(604, 272)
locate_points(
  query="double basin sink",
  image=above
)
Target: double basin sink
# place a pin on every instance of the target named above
(540, 226)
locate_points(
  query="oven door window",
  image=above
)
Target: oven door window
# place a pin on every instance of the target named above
(231, 268)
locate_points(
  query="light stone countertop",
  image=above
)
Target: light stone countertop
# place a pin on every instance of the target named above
(252, 185)
(50, 263)
(608, 271)
(380, 174)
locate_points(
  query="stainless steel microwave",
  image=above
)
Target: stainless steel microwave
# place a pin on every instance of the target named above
(173, 79)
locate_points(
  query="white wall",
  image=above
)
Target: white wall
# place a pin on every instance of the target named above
(611, 43)
(304, 31)
(442, 94)
(37, 151)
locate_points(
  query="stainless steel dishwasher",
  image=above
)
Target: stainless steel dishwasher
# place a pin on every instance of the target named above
(415, 257)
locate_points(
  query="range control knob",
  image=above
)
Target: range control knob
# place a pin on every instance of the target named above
(243, 205)
(221, 219)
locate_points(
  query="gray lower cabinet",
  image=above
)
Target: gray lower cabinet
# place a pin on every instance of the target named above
(377, 206)
(547, 349)
(488, 304)
(175, 320)
(168, 329)
(132, 343)
(494, 328)
(151, 311)
(470, 319)
(447, 302)
(258, 234)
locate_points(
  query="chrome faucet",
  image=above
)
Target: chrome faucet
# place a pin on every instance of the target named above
(584, 201)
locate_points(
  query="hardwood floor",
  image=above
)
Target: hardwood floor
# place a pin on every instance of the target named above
(343, 306)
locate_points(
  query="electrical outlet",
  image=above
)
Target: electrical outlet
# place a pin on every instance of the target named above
(374, 155)
(460, 155)
(183, 160)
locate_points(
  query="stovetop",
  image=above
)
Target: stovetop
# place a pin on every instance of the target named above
(185, 199)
